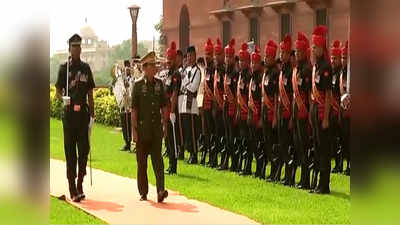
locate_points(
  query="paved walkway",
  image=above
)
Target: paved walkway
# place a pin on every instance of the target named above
(115, 199)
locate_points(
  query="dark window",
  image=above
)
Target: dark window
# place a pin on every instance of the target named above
(226, 32)
(321, 16)
(286, 26)
(254, 30)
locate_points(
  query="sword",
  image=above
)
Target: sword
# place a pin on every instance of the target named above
(173, 132)
(90, 150)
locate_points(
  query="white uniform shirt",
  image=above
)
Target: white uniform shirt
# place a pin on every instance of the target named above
(190, 82)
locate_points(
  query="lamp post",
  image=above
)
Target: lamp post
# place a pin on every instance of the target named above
(134, 11)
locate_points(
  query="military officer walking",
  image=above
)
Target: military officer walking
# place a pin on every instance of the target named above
(148, 99)
(320, 108)
(77, 87)
(172, 84)
(188, 104)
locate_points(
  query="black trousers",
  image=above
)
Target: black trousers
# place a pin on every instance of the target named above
(269, 138)
(335, 141)
(126, 127)
(301, 143)
(285, 140)
(75, 127)
(255, 149)
(230, 134)
(345, 138)
(189, 128)
(209, 130)
(143, 150)
(243, 145)
(219, 133)
(322, 147)
(172, 144)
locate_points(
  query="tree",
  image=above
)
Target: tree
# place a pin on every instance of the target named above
(162, 42)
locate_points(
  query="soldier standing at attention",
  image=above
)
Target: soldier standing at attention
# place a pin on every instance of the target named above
(219, 104)
(230, 86)
(77, 112)
(301, 82)
(149, 125)
(269, 105)
(208, 100)
(336, 62)
(172, 86)
(188, 103)
(320, 108)
(242, 93)
(285, 109)
(345, 112)
(254, 119)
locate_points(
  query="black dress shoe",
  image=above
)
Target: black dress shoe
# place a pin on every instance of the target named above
(125, 148)
(162, 195)
(170, 172)
(76, 198)
(143, 198)
(347, 172)
(244, 173)
(322, 191)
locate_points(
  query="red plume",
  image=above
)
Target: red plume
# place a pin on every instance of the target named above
(218, 47)
(270, 48)
(229, 49)
(171, 51)
(286, 44)
(255, 56)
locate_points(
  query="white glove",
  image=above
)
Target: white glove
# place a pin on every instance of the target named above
(172, 117)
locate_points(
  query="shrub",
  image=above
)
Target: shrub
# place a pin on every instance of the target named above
(105, 106)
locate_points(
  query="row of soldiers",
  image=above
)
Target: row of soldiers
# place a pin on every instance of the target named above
(286, 114)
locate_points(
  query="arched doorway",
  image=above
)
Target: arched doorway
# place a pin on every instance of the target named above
(184, 24)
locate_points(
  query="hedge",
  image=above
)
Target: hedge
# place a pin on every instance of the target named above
(105, 106)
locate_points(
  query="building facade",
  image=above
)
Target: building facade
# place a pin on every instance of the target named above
(94, 51)
(191, 22)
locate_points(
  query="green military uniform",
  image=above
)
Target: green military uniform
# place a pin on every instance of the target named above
(148, 98)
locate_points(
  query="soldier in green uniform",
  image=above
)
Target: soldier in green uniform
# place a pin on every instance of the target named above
(149, 122)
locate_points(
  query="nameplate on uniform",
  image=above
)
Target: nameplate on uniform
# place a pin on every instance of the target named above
(77, 108)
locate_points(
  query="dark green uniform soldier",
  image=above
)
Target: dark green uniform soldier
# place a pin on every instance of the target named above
(149, 120)
(78, 108)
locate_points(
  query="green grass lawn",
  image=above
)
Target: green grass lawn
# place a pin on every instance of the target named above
(64, 213)
(257, 199)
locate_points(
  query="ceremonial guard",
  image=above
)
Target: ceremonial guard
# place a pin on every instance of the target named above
(230, 103)
(219, 105)
(345, 110)
(320, 108)
(269, 106)
(188, 104)
(285, 124)
(127, 80)
(336, 151)
(254, 119)
(241, 143)
(75, 85)
(172, 86)
(301, 82)
(149, 125)
(208, 99)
